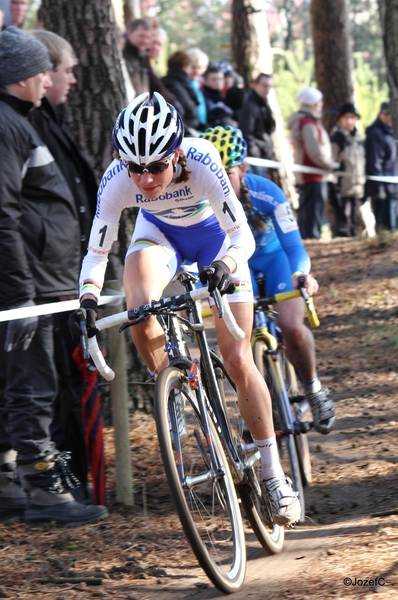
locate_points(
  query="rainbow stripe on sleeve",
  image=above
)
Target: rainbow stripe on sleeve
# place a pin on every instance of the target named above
(89, 286)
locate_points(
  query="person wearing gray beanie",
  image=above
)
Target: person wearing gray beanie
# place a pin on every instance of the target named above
(39, 262)
(21, 56)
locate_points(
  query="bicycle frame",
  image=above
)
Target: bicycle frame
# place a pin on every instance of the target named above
(212, 399)
(265, 328)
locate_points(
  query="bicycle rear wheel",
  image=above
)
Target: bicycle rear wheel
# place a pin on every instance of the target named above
(201, 484)
(286, 444)
(301, 440)
(270, 535)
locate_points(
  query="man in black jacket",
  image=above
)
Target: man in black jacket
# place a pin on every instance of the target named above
(255, 118)
(381, 159)
(73, 371)
(39, 263)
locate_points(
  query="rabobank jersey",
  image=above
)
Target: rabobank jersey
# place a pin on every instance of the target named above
(208, 192)
(281, 230)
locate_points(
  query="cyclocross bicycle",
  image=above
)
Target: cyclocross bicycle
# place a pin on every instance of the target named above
(207, 451)
(288, 404)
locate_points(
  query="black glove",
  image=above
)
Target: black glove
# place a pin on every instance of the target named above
(91, 309)
(20, 332)
(221, 278)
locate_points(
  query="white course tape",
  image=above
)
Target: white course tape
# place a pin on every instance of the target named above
(273, 164)
(52, 308)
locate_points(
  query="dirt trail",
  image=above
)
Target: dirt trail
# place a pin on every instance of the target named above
(351, 530)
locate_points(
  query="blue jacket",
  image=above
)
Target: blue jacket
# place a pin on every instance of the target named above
(381, 159)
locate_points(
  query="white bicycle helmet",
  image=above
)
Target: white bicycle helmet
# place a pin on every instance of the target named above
(147, 130)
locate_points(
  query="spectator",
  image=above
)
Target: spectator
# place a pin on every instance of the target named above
(158, 38)
(39, 250)
(14, 13)
(135, 53)
(73, 371)
(256, 121)
(177, 81)
(233, 91)
(218, 113)
(312, 148)
(381, 159)
(346, 192)
(197, 66)
(19, 8)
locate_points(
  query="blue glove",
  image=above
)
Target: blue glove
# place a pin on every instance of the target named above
(20, 332)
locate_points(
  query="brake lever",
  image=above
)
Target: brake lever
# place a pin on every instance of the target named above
(81, 317)
(215, 294)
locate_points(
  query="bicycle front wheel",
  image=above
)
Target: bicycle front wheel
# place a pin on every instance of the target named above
(270, 535)
(200, 482)
(286, 444)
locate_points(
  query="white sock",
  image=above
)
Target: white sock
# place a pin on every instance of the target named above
(269, 458)
(311, 387)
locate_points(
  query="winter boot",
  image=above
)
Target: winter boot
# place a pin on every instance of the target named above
(48, 482)
(13, 499)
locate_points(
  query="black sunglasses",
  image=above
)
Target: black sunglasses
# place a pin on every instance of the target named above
(154, 169)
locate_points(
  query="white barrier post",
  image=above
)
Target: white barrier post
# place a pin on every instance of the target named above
(120, 412)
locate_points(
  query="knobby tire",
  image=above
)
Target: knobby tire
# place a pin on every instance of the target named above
(207, 507)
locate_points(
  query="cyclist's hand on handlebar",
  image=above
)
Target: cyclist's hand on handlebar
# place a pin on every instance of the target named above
(221, 277)
(309, 283)
(74, 320)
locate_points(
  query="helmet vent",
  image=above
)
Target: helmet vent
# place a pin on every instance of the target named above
(141, 141)
(154, 147)
(167, 121)
(154, 127)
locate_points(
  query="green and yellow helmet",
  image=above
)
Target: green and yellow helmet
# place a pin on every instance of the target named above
(229, 143)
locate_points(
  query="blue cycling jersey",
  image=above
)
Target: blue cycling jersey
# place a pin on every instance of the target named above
(281, 230)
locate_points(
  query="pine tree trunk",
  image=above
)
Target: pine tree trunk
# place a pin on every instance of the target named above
(241, 40)
(251, 56)
(389, 24)
(333, 59)
(99, 95)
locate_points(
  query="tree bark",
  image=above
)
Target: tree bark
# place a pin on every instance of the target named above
(241, 35)
(389, 24)
(99, 95)
(333, 57)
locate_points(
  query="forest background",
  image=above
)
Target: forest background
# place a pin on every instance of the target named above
(207, 24)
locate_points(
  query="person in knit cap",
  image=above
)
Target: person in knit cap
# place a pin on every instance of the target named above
(381, 161)
(311, 148)
(347, 191)
(39, 263)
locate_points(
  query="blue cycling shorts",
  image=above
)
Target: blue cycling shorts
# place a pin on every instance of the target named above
(275, 268)
(201, 243)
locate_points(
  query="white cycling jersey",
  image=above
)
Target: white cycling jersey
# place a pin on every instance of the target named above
(208, 192)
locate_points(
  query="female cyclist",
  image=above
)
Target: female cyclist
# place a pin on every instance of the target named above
(280, 256)
(188, 211)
